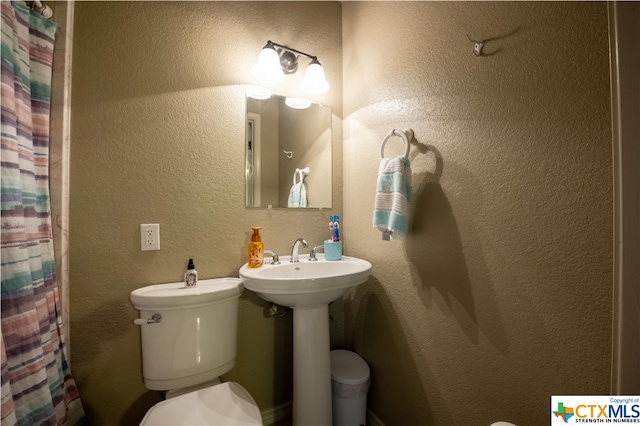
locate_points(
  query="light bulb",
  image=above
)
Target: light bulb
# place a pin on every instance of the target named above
(314, 81)
(268, 66)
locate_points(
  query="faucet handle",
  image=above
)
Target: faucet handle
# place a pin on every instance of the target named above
(275, 259)
(312, 255)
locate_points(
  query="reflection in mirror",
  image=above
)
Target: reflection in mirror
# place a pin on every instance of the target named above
(281, 142)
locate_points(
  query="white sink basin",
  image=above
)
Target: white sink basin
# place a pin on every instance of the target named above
(306, 283)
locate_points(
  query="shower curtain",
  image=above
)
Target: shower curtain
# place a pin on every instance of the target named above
(37, 387)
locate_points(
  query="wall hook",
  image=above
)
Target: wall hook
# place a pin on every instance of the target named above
(477, 46)
(289, 154)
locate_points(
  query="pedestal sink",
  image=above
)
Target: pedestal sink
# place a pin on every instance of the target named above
(308, 287)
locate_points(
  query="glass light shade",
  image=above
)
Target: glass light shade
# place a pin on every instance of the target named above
(314, 81)
(257, 92)
(297, 103)
(268, 66)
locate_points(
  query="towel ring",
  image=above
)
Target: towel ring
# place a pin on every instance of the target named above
(300, 173)
(406, 135)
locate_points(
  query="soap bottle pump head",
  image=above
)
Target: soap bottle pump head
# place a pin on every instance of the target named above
(191, 265)
(256, 233)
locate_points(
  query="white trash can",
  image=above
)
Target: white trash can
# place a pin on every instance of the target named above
(350, 380)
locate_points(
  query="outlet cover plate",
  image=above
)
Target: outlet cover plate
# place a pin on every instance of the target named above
(149, 236)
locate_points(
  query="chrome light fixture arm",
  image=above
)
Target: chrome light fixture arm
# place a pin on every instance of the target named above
(292, 50)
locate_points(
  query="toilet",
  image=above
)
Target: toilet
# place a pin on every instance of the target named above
(188, 337)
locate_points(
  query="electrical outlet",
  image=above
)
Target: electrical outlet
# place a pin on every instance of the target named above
(150, 236)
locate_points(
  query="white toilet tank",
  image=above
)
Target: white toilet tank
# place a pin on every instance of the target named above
(195, 339)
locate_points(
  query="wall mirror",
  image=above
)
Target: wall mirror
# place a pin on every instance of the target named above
(282, 143)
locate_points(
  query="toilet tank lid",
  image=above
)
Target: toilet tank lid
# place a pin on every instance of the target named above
(177, 296)
(348, 367)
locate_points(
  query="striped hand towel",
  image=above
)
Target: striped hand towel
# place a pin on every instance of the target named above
(393, 194)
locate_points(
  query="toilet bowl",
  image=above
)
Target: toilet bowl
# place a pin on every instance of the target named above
(188, 339)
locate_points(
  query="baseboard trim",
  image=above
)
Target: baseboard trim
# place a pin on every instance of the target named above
(275, 414)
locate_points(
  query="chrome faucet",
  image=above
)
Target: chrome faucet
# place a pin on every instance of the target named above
(294, 249)
(275, 259)
(312, 255)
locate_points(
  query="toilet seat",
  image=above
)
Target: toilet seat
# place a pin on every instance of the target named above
(224, 404)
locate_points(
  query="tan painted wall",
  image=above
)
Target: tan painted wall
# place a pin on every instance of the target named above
(501, 295)
(158, 137)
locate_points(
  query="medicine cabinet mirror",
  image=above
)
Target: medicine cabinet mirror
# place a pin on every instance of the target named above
(280, 139)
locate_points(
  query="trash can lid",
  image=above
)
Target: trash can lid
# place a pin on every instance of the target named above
(348, 367)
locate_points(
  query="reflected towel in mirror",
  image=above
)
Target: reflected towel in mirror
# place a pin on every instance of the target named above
(298, 192)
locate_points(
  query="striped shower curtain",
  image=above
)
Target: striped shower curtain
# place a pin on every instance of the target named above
(37, 387)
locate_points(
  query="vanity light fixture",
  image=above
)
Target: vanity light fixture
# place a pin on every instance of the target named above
(276, 60)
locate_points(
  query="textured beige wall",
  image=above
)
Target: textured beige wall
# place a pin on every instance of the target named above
(501, 295)
(157, 137)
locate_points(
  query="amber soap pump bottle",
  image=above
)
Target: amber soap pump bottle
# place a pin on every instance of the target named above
(255, 250)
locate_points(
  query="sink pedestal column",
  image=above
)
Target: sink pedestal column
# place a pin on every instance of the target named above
(311, 366)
